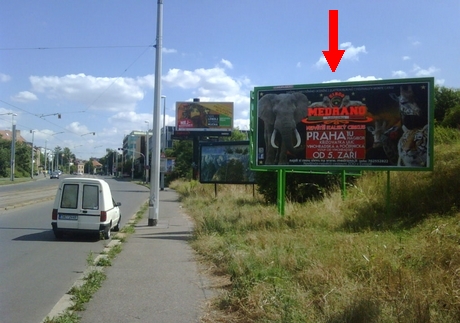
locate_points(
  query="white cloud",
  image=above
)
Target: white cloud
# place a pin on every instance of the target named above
(165, 50)
(439, 82)
(299, 65)
(213, 84)
(351, 53)
(77, 128)
(363, 78)
(406, 58)
(424, 72)
(99, 93)
(332, 81)
(399, 74)
(4, 78)
(24, 96)
(355, 79)
(226, 63)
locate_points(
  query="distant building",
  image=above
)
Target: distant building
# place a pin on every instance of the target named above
(97, 166)
(8, 135)
(134, 143)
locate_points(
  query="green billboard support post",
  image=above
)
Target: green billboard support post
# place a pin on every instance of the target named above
(281, 200)
(388, 202)
(344, 184)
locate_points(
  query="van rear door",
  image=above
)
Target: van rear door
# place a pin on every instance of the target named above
(80, 206)
(89, 218)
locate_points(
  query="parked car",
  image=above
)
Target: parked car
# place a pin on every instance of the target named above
(54, 175)
(85, 205)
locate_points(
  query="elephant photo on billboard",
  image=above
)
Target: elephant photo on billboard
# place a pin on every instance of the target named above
(281, 113)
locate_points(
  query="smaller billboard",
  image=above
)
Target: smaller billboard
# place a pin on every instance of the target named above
(225, 162)
(204, 116)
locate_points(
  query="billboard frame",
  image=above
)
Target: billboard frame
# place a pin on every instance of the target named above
(391, 91)
(204, 118)
(206, 144)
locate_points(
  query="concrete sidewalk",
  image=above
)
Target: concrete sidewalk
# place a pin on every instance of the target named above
(155, 278)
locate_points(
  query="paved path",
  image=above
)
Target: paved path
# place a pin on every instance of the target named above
(155, 278)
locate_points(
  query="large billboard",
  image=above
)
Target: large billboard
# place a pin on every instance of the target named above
(225, 162)
(374, 125)
(204, 117)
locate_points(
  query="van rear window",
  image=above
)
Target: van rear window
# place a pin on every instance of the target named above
(69, 196)
(90, 197)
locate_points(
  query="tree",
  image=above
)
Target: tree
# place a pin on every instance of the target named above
(236, 135)
(183, 152)
(57, 156)
(445, 99)
(452, 118)
(5, 149)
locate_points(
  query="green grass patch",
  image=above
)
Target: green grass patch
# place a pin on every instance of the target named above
(104, 262)
(334, 260)
(82, 295)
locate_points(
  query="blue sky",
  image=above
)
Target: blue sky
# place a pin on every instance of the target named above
(93, 61)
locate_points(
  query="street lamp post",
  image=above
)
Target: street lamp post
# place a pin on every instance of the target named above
(32, 156)
(132, 168)
(13, 145)
(51, 165)
(154, 198)
(46, 159)
(147, 153)
(163, 144)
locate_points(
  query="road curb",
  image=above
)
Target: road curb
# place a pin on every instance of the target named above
(15, 206)
(66, 302)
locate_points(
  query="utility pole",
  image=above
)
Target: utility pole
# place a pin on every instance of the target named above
(163, 145)
(32, 156)
(147, 153)
(45, 170)
(155, 164)
(13, 147)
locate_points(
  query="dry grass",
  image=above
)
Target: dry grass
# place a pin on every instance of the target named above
(336, 260)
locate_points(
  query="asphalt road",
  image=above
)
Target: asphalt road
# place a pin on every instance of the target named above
(36, 270)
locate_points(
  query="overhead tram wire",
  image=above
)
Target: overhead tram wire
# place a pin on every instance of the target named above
(45, 119)
(89, 47)
(75, 47)
(80, 47)
(114, 81)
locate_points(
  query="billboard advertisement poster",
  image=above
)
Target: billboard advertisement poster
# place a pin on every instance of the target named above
(204, 116)
(386, 125)
(225, 162)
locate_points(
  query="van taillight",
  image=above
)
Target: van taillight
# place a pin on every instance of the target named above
(103, 216)
(54, 214)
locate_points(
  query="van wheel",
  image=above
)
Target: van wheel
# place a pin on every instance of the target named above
(107, 232)
(117, 227)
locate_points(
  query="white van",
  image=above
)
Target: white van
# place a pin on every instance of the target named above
(85, 205)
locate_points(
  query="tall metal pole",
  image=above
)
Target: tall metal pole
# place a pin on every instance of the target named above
(32, 156)
(147, 153)
(46, 158)
(132, 167)
(13, 146)
(155, 164)
(163, 144)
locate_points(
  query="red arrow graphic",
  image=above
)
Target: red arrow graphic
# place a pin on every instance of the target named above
(334, 54)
